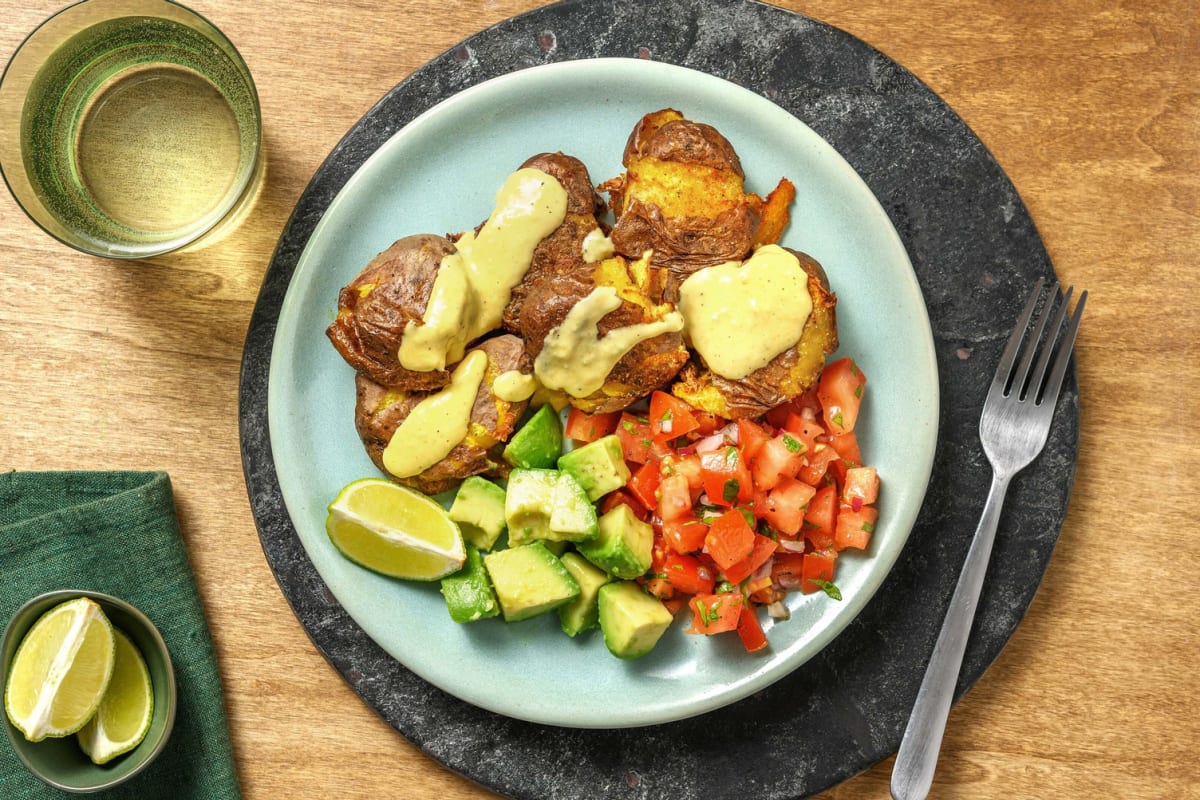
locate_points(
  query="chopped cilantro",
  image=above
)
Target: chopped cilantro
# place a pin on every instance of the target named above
(828, 587)
(730, 491)
(793, 445)
(628, 426)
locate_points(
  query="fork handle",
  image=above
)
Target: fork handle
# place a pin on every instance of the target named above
(912, 774)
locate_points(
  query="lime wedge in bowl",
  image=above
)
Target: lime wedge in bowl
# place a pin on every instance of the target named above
(61, 670)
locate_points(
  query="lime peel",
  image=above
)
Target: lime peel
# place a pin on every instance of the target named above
(123, 718)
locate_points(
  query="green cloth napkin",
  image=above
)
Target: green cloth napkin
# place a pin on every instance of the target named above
(116, 532)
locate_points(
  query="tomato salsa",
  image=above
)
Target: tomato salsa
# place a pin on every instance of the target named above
(745, 511)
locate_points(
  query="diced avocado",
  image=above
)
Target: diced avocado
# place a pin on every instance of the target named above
(599, 466)
(478, 508)
(582, 613)
(547, 504)
(468, 592)
(539, 441)
(572, 517)
(625, 545)
(529, 580)
(631, 620)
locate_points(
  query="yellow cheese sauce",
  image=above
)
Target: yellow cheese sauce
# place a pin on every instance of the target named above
(597, 247)
(514, 386)
(740, 315)
(437, 423)
(576, 359)
(475, 283)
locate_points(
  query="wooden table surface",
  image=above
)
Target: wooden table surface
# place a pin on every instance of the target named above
(1091, 107)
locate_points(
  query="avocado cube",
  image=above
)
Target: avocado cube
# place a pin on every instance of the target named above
(624, 546)
(468, 592)
(631, 620)
(548, 505)
(527, 504)
(538, 442)
(582, 613)
(478, 508)
(598, 466)
(529, 580)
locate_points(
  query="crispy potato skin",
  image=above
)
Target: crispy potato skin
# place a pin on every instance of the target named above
(373, 311)
(681, 196)
(790, 373)
(558, 257)
(380, 410)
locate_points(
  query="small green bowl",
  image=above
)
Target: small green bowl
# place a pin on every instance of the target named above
(60, 762)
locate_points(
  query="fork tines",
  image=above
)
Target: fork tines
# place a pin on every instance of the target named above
(1028, 380)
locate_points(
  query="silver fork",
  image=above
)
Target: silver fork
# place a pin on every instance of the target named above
(1013, 429)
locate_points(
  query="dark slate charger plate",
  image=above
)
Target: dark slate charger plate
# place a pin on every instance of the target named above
(975, 251)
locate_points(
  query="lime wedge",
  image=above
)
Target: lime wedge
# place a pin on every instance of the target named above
(124, 715)
(395, 531)
(61, 670)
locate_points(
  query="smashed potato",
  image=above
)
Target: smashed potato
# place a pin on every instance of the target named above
(788, 374)
(373, 311)
(682, 195)
(380, 410)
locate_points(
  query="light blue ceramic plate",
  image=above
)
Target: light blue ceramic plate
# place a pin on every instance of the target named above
(438, 175)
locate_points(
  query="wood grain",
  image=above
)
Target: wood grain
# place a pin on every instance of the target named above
(1093, 111)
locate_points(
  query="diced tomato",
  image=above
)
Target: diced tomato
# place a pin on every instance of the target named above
(778, 459)
(670, 417)
(816, 464)
(674, 498)
(860, 487)
(764, 548)
(787, 568)
(807, 403)
(643, 484)
(687, 574)
(751, 437)
(805, 430)
(619, 496)
(846, 445)
(716, 613)
(818, 566)
(854, 528)
(726, 477)
(689, 467)
(840, 390)
(659, 587)
(636, 441)
(583, 427)
(785, 506)
(778, 415)
(820, 520)
(709, 423)
(849, 456)
(750, 630)
(685, 534)
(676, 604)
(730, 539)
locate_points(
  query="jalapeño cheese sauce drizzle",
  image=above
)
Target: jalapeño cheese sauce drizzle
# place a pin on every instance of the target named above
(597, 247)
(576, 359)
(475, 283)
(437, 423)
(740, 315)
(514, 386)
